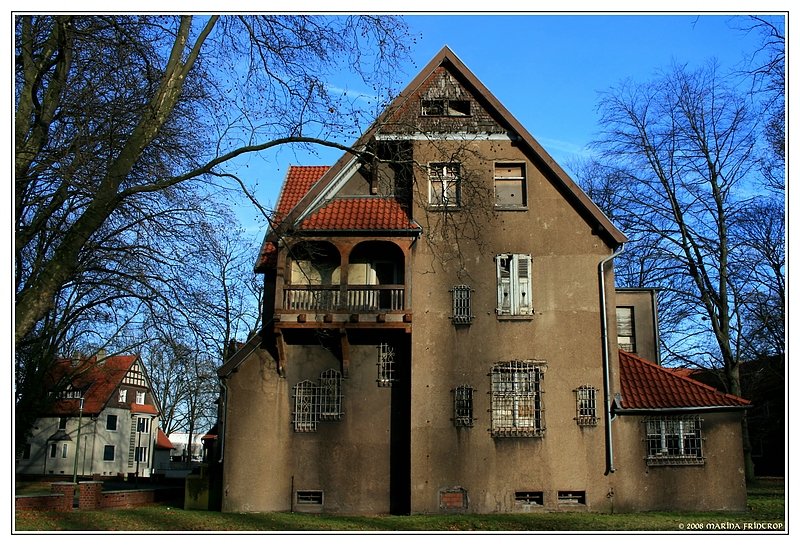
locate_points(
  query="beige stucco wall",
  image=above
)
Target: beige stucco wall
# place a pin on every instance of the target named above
(265, 460)
(719, 484)
(564, 332)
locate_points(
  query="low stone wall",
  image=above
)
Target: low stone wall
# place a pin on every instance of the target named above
(92, 497)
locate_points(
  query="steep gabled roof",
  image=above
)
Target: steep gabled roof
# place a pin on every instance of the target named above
(99, 379)
(445, 58)
(646, 386)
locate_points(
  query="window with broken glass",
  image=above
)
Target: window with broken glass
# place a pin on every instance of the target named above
(462, 406)
(444, 185)
(516, 399)
(674, 440)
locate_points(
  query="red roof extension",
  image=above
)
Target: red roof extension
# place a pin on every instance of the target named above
(162, 441)
(648, 386)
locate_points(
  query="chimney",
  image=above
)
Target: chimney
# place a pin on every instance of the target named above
(100, 356)
(76, 359)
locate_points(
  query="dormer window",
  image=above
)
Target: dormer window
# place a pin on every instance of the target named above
(123, 395)
(446, 107)
(140, 397)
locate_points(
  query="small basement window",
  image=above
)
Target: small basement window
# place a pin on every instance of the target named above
(530, 498)
(572, 497)
(309, 497)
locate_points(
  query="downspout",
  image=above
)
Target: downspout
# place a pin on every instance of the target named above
(221, 433)
(607, 359)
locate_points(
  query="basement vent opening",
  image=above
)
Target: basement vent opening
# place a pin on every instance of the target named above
(530, 498)
(310, 497)
(572, 497)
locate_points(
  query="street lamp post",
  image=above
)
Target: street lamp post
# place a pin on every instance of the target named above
(78, 443)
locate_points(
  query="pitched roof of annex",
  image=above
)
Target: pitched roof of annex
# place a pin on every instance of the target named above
(646, 386)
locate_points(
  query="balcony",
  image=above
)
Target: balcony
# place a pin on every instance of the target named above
(335, 285)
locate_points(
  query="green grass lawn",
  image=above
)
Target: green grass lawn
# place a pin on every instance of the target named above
(765, 506)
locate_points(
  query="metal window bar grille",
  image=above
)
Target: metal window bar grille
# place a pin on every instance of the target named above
(586, 405)
(386, 362)
(516, 399)
(305, 416)
(674, 441)
(462, 406)
(330, 395)
(462, 304)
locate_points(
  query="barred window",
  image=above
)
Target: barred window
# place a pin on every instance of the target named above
(462, 304)
(330, 395)
(516, 399)
(586, 405)
(674, 440)
(462, 406)
(386, 363)
(306, 412)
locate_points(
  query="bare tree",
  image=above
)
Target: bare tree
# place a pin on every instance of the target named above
(113, 109)
(126, 128)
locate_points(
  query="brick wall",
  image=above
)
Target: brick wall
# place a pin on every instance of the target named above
(92, 497)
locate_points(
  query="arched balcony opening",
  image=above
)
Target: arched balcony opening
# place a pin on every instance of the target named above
(376, 277)
(313, 280)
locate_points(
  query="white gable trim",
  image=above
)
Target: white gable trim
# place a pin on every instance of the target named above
(336, 184)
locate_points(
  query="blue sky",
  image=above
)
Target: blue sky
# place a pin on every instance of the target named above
(548, 69)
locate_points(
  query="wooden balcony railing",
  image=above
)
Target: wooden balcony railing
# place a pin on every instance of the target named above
(356, 298)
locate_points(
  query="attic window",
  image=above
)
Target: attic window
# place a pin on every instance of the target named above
(446, 107)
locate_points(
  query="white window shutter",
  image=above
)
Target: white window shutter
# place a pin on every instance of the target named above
(504, 296)
(523, 277)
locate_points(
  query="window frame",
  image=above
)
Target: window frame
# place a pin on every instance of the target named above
(109, 418)
(674, 440)
(305, 411)
(444, 108)
(106, 452)
(123, 396)
(514, 285)
(143, 425)
(523, 184)
(446, 180)
(141, 396)
(140, 454)
(330, 395)
(586, 406)
(517, 401)
(462, 304)
(629, 332)
(463, 406)
(387, 358)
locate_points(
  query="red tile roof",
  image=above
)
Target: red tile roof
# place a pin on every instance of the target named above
(299, 179)
(144, 408)
(100, 381)
(648, 386)
(357, 213)
(162, 441)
